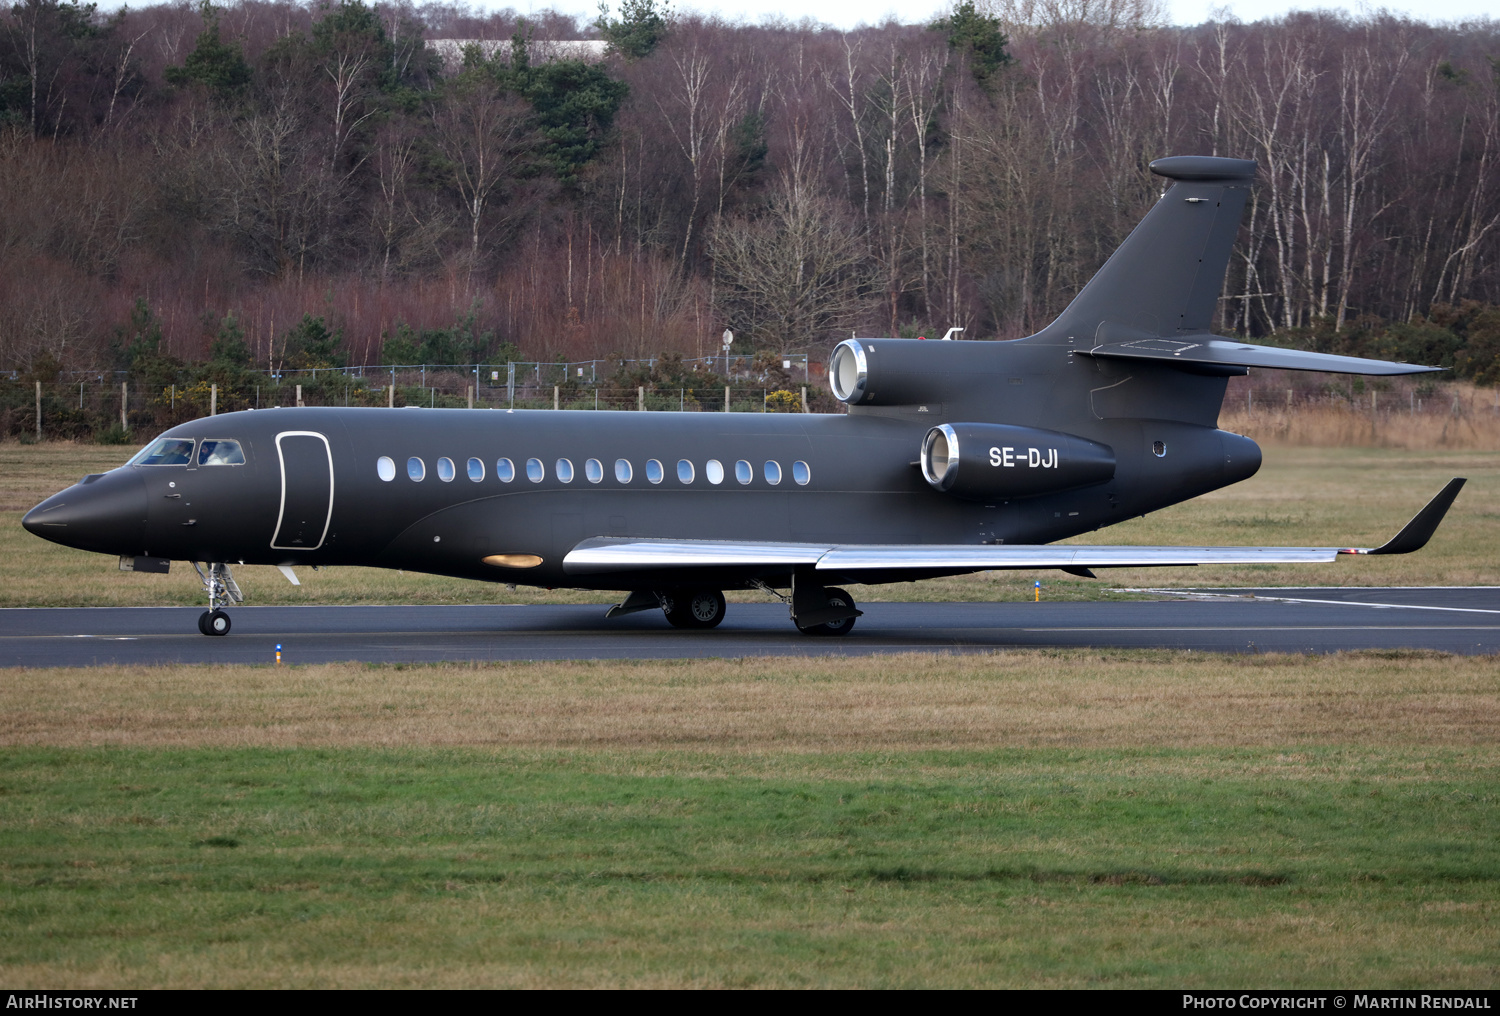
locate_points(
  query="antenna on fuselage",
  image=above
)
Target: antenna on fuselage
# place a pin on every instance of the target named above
(948, 337)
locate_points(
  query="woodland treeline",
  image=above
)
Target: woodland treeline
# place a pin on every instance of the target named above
(196, 182)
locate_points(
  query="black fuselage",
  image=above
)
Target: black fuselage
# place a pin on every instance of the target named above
(311, 490)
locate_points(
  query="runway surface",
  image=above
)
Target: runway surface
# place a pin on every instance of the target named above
(1450, 619)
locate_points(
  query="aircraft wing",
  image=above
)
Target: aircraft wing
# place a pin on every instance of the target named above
(1215, 351)
(605, 554)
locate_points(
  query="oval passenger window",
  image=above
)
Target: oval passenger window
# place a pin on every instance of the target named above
(416, 468)
(801, 473)
(535, 471)
(714, 470)
(654, 471)
(743, 471)
(385, 467)
(505, 470)
(445, 469)
(684, 471)
(565, 470)
(623, 472)
(476, 470)
(773, 473)
(594, 470)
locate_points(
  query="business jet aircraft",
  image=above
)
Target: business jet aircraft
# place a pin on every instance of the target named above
(953, 457)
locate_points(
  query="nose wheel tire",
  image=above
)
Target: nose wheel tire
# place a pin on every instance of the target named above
(695, 608)
(213, 622)
(836, 598)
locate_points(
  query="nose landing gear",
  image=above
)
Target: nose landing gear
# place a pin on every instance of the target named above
(222, 590)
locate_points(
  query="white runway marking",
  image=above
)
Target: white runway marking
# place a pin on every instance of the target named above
(1199, 595)
(1298, 627)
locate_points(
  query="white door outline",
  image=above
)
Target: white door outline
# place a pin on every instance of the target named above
(282, 510)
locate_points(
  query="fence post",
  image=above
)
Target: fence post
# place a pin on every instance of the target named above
(556, 400)
(640, 399)
(38, 410)
(471, 396)
(213, 400)
(510, 384)
(299, 396)
(124, 402)
(390, 396)
(804, 399)
(726, 398)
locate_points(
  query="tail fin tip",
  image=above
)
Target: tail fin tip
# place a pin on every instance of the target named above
(1203, 168)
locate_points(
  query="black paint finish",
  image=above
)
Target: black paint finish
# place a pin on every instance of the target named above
(1135, 430)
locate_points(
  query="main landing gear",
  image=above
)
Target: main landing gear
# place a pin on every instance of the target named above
(838, 602)
(694, 608)
(222, 590)
(815, 609)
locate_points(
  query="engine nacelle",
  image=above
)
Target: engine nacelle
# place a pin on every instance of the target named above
(883, 372)
(996, 461)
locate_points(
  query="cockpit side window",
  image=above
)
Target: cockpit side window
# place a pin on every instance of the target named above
(220, 452)
(167, 451)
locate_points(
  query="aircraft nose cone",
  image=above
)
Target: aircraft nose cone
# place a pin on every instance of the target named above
(107, 515)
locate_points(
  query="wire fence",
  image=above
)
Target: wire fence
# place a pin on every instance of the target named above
(103, 407)
(124, 411)
(528, 372)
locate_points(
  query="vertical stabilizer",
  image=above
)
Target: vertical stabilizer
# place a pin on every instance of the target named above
(1165, 278)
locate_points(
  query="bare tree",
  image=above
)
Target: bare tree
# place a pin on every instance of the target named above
(699, 107)
(485, 135)
(793, 276)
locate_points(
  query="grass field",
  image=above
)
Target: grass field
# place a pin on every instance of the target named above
(1309, 496)
(1038, 819)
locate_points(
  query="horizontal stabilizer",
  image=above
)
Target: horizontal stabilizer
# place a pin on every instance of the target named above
(1194, 352)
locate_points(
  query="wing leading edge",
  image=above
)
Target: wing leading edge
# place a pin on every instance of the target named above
(606, 554)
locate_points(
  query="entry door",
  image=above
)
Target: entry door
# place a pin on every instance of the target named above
(306, 490)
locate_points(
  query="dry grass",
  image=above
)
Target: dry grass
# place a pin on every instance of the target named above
(1329, 497)
(1459, 417)
(1020, 699)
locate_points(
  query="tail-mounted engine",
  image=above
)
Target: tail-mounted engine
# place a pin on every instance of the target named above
(996, 461)
(887, 372)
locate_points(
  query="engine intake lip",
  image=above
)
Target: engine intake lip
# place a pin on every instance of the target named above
(850, 372)
(940, 456)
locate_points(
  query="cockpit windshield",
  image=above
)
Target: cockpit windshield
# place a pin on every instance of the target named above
(167, 451)
(219, 452)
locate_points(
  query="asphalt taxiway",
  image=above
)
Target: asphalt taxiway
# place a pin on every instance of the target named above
(1319, 620)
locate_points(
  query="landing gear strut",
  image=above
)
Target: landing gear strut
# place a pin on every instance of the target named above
(694, 608)
(222, 590)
